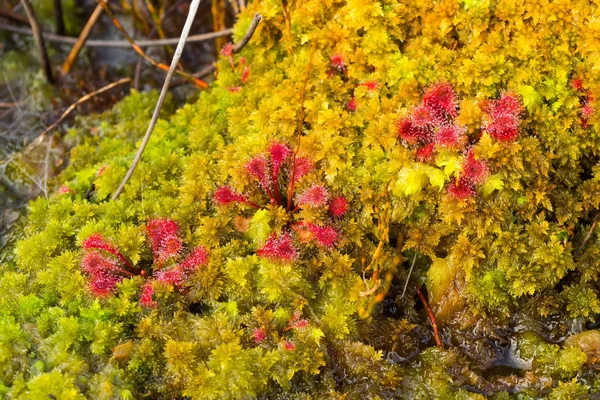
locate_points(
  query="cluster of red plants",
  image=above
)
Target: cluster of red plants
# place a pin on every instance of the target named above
(276, 173)
(473, 172)
(227, 51)
(431, 124)
(504, 117)
(586, 101)
(105, 266)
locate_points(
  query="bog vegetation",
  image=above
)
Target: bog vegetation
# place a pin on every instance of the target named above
(357, 164)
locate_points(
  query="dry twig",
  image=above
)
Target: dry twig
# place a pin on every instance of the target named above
(14, 17)
(121, 44)
(58, 15)
(163, 95)
(72, 107)
(412, 265)
(290, 190)
(589, 235)
(198, 82)
(39, 40)
(83, 36)
(436, 333)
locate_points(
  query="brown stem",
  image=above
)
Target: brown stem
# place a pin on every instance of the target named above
(58, 15)
(589, 235)
(436, 333)
(248, 35)
(39, 40)
(83, 36)
(72, 107)
(290, 190)
(14, 17)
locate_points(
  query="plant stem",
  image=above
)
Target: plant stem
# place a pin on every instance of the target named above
(163, 95)
(58, 15)
(39, 40)
(436, 333)
(83, 36)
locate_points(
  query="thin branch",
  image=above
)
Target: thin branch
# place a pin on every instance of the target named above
(121, 44)
(47, 165)
(39, 40)
(163, 95)
(236, 48)
(72, 107)
(253, 25)
(209, 69)
(436, 333)
(83, 36)
(589, 235)
(58, 15)
(138, 49)
(412, 265)
(14, 17)
(290, 189)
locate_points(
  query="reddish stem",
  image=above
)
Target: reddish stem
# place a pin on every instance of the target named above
(251, 204)
(436, 333)
(124, 271)
(124, 260)
(268, 192)
(276, 185)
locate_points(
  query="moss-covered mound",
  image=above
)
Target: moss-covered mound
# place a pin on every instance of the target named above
(361, 170)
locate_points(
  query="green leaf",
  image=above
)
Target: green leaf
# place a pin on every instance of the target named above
(494, 182)
(531, 98)
(449, 163)
(259, 228)
(437, 178)
(410, 182)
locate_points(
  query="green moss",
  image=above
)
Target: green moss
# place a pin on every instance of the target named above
(326, 316)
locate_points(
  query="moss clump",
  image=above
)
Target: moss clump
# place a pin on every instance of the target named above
(352, 141)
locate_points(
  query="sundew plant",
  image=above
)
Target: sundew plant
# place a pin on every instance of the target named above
(374, 199)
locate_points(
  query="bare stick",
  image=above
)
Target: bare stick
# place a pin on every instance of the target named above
(412, 265)
(83, 36)
(163, 95)
(237, 47)
(120, 44)
(138, 49)
(436, 333)
(73, 106)
(14, 17)
(290, 188)
(39, 40)
(253, 25)
(589, 235)
(58, 15)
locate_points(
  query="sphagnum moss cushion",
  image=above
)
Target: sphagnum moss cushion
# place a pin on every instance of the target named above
(360, 170)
